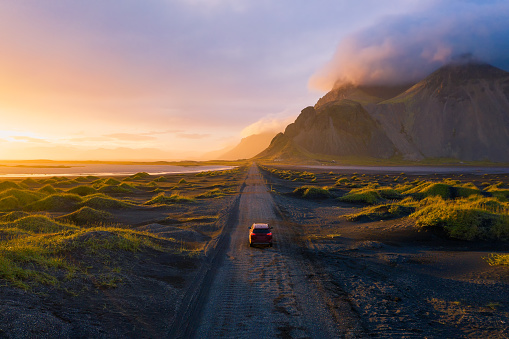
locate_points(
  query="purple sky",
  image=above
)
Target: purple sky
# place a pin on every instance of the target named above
(191, 76)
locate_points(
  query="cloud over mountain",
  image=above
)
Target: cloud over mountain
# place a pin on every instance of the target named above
(404, 49)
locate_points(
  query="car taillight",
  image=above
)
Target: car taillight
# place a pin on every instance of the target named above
(269, 234)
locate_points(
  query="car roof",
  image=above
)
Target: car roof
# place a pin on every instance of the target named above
(260, 226)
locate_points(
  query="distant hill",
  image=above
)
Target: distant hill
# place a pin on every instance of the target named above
(460, 111)
(246, 149)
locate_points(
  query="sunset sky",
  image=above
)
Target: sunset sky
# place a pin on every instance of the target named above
(190, 76)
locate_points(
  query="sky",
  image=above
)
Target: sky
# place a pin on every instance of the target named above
(174, 79)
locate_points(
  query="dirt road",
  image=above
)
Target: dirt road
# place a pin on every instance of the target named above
(264, 292)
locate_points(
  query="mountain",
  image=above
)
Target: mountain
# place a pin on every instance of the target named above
(460, 111)
(247, 148)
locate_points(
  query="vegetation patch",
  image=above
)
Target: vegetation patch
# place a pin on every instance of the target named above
(55, 202)
(114, 189)
(466, 219)
(24, 197)
(101, 201)
(47, 189)
(9, 204)
(37, 224)
(4, 185)
(495, 259)
(87, 216)
(163, 199)
(381, 212)
(312, 192)
(213, 193)
(139, 175)
(82, 190)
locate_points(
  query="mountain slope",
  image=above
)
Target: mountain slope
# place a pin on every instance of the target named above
(248, 147)
(459, 111)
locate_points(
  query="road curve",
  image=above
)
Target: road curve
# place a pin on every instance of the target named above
(262, 292)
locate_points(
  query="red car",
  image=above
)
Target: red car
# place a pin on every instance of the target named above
(260, 234)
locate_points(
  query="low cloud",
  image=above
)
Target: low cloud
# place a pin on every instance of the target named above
(404, 49)
(194, 136)
(130, 137)
(273, 123)
(30, 139)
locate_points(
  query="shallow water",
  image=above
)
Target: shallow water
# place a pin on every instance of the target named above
(101, 170)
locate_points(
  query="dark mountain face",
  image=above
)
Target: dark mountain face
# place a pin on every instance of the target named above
(460, 111)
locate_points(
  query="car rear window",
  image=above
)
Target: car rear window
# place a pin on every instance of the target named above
(261, 230)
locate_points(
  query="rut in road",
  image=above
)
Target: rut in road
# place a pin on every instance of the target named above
(263, 292)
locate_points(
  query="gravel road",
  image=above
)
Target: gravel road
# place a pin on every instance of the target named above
(265, 292)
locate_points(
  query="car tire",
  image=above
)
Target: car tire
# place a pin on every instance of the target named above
(270, 245)
(250, 245)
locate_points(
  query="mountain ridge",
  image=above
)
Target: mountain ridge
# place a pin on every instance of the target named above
(460, 111)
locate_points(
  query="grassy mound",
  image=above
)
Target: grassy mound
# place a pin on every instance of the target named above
(114, 189)
(163, 199)
(381, 212)
(101, 201)
(9, 204)
(140, 175)
(82, 190)
(111, 181)
(371, 194)
(466, 219)
(160, 179)
(12, 216)
(24, 197)
(47, 189)
(38, 224)
(312, 192)
(87, 216)
(55, 202)
(5, 185)
(37, 259)
(342, 181)
(29, 182)
(213, 193)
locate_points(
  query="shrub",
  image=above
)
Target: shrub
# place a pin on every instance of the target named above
(160, 179)
(182, 181)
